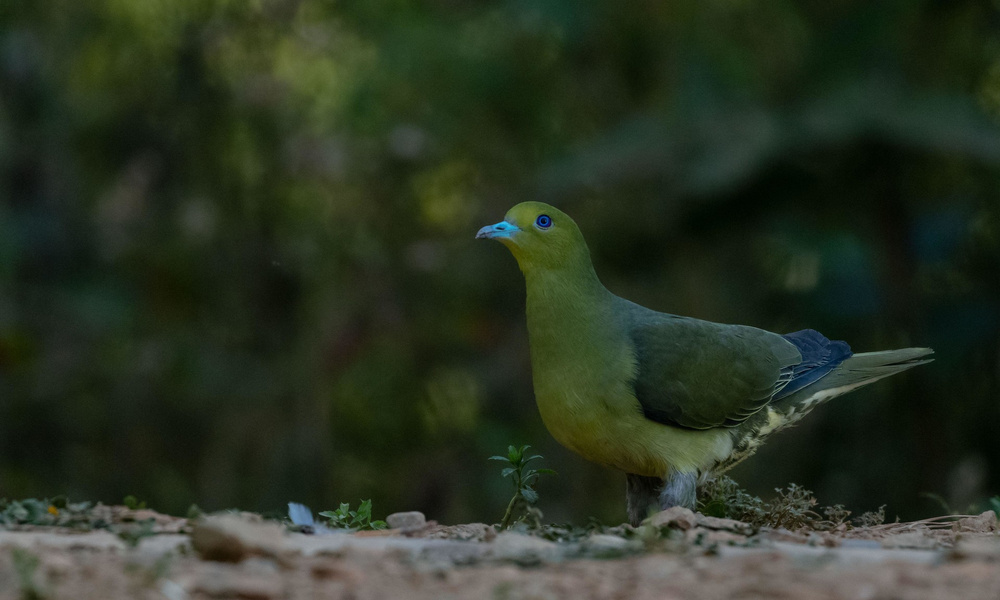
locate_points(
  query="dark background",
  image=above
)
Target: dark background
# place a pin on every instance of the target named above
(237, 264)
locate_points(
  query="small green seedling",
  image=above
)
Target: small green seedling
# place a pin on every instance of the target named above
(194, 512)
(133, 503)
(345, 518)
(524, 482)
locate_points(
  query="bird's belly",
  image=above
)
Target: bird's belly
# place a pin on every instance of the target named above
(609, 428)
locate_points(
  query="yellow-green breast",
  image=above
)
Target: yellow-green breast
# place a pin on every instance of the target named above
(583, 367)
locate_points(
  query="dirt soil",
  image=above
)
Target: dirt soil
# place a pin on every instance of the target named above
(677, 554)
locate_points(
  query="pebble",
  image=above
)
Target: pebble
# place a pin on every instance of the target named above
(911, 539)
(982, 523)
(721, 524)
(406, 520)
(230, 538)
(606, 546)
(473, 532)
(523, 549)
(676, 517)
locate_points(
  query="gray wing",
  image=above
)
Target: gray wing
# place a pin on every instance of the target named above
(700, 375)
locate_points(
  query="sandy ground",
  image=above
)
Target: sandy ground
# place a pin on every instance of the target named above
(680, 556)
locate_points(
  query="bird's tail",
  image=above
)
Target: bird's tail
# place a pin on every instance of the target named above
(857, 371)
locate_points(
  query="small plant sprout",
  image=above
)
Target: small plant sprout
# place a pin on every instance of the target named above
(133, 503)
(524, 482)
(345, 518)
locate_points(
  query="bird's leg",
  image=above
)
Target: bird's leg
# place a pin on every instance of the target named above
(641, 494)
(680, 490)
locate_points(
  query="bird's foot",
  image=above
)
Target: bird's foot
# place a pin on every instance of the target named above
(680, 490)
(641, 496)
(645, 495)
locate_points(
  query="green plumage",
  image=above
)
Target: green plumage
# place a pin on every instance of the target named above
(680, 362)
(656, 395)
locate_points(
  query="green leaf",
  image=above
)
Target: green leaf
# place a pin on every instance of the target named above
(546, 472)
(715, 508)
(530, 496)
(507, 472)
(503, 458)
(345, 518)
(17, 511)
(38, 511)
(937, 499)
(334, 519)
(194, 512)
(133, 503)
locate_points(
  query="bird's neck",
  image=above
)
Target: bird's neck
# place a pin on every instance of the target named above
(566, 310)
(578, 351)
(556, 290)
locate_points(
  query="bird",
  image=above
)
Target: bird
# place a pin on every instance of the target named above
(672, 401)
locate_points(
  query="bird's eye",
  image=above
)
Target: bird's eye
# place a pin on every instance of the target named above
(544, 221)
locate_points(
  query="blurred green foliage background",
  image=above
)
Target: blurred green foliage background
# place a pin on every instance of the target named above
(237, 264)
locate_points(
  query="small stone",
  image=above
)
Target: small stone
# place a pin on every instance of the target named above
(406, 520)
(523, 549)
(142, 514)
(721, 524)
(229, 538)
(161, 523)
(468, 532)
(982, 523)
(675, 517)
(706, 537)
(783, 535)
(915, 540)
(606, 546)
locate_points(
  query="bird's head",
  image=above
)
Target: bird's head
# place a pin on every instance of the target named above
(540, 237)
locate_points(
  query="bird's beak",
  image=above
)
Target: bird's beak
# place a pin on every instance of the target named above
(501, 230)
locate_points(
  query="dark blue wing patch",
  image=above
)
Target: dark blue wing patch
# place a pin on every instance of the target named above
(819, 357)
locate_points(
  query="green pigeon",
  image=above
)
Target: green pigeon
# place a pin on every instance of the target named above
(669, 400)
